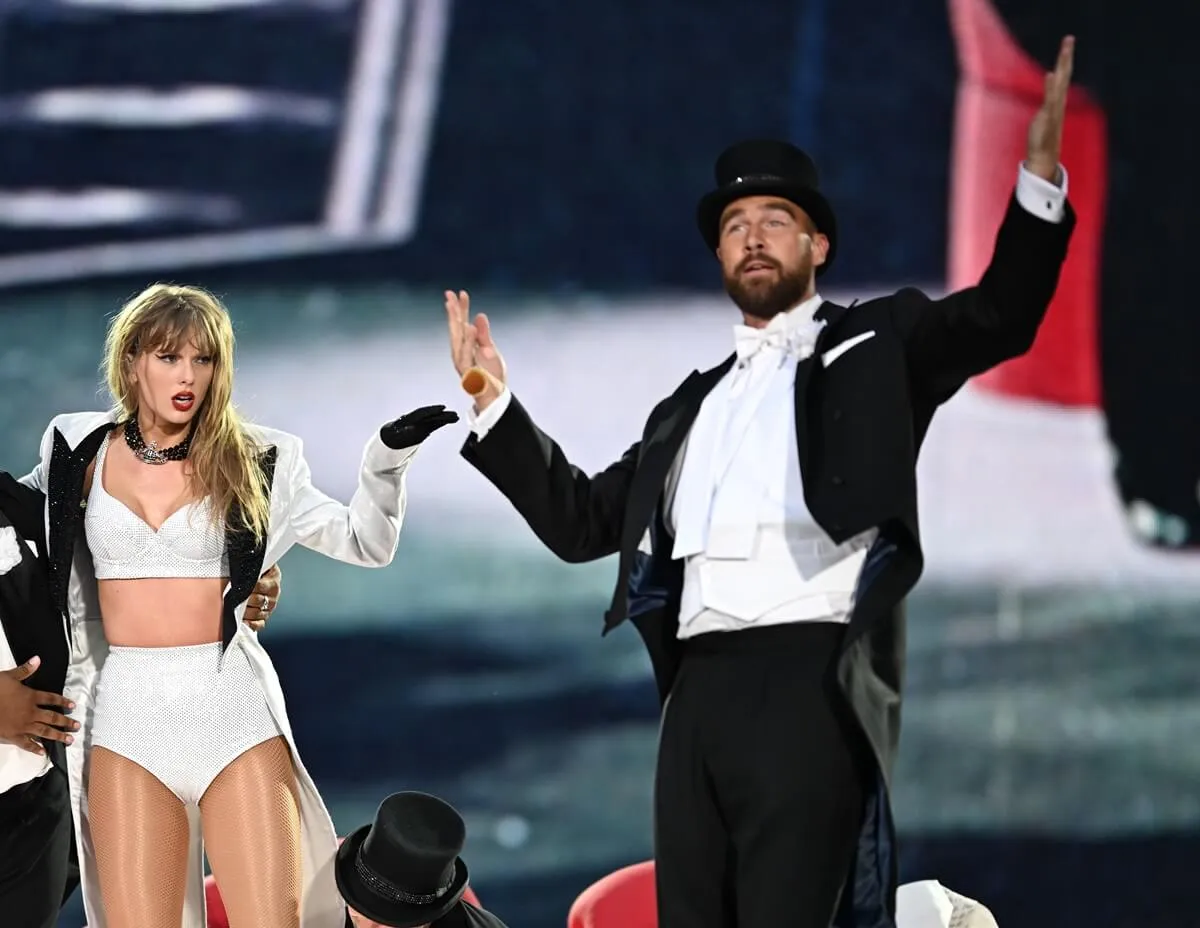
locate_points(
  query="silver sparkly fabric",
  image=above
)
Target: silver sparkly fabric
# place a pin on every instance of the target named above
(181, 713)
(190, 543)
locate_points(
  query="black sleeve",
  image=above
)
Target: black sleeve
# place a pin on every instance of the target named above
(970, 331)
(577, 517)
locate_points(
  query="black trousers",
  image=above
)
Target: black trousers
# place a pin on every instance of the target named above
(759, 791)
(36, 850)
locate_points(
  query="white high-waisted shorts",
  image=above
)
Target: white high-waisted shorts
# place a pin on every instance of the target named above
(181, 713)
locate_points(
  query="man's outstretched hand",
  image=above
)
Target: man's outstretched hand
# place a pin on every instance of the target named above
(1046, 129)
(476, 357)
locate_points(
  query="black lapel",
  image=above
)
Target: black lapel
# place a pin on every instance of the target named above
(65, 504)
(664, 444)
(245, 554)
(831, 314)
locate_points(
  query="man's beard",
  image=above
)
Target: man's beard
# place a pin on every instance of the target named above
(765, 299)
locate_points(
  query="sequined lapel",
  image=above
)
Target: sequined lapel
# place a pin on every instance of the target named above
(65, 505)
(245, 555)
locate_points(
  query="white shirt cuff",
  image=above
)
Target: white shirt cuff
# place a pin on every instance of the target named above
(483, 422)
(1040, 197)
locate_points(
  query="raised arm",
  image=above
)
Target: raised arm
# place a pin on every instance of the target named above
(970, 331)
(367, 530)
(577, 517)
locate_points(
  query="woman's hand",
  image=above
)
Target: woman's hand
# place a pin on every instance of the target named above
(414, 427)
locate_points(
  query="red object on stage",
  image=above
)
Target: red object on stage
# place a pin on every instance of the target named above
(1000, 88)
(623, 899)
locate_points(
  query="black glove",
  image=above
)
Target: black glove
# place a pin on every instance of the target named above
(416, 426)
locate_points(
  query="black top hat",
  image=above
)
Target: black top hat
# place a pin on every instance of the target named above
(404, 869)
(765, 167)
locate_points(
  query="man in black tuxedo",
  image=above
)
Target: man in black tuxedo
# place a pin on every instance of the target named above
(38, 872)
(766, 527)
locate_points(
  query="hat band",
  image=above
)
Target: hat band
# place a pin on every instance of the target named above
(386, 889)
(747, 177)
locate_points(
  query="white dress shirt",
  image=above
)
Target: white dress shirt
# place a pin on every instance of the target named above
(17, 765)
(753, 554)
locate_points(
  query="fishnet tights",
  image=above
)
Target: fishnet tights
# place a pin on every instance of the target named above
(251, 821)
(140, 835)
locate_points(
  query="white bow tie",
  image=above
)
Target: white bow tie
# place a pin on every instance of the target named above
(799, 340)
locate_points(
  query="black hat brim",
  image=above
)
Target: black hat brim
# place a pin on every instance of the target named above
(713, 203)
(386, 911)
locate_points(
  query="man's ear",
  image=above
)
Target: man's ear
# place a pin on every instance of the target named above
(820, 248)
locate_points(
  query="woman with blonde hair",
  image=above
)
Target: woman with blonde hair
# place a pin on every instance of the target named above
(161, 515)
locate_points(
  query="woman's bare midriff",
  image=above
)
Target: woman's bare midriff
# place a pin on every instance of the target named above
(161, 613)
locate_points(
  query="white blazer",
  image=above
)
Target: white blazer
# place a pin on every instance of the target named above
(364, 533)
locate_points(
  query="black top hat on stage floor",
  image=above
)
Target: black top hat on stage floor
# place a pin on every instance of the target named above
(404, 869)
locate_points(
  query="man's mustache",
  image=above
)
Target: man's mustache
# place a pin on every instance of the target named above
(758, 259)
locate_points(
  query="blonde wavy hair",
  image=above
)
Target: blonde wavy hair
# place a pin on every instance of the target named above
(223, 456)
